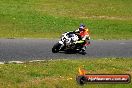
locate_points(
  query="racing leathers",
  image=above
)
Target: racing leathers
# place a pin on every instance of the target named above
(84, 38)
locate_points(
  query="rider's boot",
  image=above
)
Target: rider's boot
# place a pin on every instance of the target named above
(83, 50)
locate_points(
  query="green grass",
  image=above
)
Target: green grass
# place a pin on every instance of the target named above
(107, 19)
(86, 8)
(62, 73)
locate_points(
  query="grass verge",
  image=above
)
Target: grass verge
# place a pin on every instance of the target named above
(49, 18)
(62, 73)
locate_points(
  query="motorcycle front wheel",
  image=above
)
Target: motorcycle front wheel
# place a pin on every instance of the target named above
(56, 48)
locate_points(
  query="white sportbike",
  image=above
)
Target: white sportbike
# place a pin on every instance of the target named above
(67, 43)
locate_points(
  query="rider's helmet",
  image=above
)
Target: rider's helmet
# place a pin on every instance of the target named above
(82, 27)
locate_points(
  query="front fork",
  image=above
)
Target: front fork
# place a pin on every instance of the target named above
(62, 45)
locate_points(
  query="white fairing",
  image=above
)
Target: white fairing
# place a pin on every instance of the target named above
(61, 42)
(74, 37)
(68, 39)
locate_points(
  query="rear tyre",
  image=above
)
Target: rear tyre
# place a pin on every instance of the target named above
(56, 48)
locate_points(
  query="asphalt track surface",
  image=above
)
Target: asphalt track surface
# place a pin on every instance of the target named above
(33, 49)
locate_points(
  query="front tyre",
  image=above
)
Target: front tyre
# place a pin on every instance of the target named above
(56, 48)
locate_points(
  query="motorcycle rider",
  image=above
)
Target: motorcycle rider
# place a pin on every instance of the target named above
(83, 34)
(84, 38)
